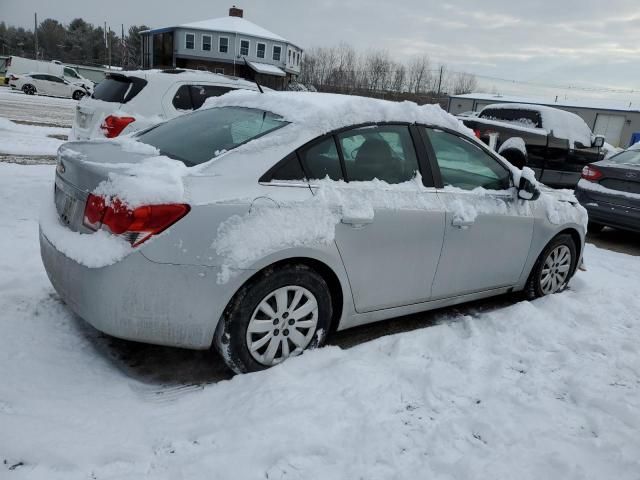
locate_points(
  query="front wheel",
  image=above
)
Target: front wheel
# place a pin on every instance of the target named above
(281, 313)
(554, 267)
(29, 89)
(78, 94)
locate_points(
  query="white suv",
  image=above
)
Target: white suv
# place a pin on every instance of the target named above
(129, 101)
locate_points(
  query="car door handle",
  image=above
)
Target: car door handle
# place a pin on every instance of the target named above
(356, 221)
(460, 223)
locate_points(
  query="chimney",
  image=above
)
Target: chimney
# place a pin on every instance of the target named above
(235, 12)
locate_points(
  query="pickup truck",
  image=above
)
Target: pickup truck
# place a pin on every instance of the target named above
(556, 144)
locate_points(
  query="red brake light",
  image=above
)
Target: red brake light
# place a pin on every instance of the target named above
(138, 224)
(112, 126)
(476, 132)
(591, 173)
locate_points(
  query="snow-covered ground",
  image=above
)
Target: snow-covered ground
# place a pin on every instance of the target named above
(17, 106)
(18, 139)
(543, 389)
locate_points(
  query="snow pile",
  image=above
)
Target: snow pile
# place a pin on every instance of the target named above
(561, 206)
(154, 180)
(503, 389)
(470, 203)
(597, 188)
(513, 143)
(131, 145)
(17, 139)
(314, 114)
(560, 123)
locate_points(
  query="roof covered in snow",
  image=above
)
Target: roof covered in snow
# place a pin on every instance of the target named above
(266, 68)
(592, 104)
(238, 25)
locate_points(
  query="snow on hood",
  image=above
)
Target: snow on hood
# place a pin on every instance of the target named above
(319, 113)
(561, 123)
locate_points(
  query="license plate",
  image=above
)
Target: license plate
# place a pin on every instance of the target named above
(65, 205)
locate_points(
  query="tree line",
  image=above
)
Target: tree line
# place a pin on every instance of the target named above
(79, 42)
(343, 69)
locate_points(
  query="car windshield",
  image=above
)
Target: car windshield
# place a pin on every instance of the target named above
(628, 157)
(200, 136)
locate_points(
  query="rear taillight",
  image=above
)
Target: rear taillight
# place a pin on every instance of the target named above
(13, 77)
(113, 125)
(476, 132)
(591, 173)
(136, 225)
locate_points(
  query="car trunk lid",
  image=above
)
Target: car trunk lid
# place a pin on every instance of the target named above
(621, 178)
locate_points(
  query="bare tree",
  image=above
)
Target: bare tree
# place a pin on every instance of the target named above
(419, 75)
(464, 83)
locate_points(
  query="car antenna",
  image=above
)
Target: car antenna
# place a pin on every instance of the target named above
(254, 76)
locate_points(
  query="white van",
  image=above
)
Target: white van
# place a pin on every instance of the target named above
(133, 100)
(20, 66)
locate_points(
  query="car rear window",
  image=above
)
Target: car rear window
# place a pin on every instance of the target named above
(118, 88)
(525, 118)
(198, 137)
(628, 157)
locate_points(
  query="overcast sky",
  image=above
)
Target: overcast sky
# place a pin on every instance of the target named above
(588, 43)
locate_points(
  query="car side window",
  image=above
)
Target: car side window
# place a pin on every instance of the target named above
(465, 165)
(199, 93)
(385, 152)
(288, 169)
(182, 99)
(321, 160)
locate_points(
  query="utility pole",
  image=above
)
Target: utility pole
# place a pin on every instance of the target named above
(35, 32)
(109, 46)
(440, 79)
(122, 45)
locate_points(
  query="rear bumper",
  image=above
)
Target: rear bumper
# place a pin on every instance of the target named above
(609, 212)
(137, 299)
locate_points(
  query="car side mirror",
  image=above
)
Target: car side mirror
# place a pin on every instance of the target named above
(598, 141)
(527, 190)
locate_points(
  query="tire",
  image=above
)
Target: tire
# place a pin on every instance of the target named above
(542, 277)
(77, 95)
(29, 89)
(594, 227)
(255, 318)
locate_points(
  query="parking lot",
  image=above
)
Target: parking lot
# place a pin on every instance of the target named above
(456, 386)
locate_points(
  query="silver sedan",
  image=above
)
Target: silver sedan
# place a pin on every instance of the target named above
(261, 224)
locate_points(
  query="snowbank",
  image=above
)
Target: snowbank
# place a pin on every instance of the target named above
(17, 139)
(501, 389)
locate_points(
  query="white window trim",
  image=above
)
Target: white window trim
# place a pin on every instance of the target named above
(248, 48)
(273, 50)
(210, 43)
(186, 34)
(219, 41)
(265, 50)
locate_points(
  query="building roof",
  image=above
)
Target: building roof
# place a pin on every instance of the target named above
(591, 104)
(266, 69)
(238, 25)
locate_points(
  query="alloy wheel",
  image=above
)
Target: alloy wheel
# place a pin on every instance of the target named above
(282, 325)
(555, 270)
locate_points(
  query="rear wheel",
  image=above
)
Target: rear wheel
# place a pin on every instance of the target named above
(278, 315)
(554, 268)
(29, 89)
(77, 95)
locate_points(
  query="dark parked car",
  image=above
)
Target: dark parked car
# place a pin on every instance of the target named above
(556, 144)
(610, 191)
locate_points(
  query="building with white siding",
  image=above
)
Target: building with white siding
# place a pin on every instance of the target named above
(229, 45)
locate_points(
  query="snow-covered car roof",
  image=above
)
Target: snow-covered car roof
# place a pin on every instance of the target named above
(560, 123)
(185, 75)
(319, 113)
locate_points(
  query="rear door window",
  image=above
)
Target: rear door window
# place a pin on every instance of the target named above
(182, 99)
(384, 152)
(118, 88)
(199, 93)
